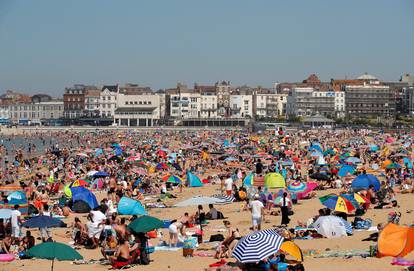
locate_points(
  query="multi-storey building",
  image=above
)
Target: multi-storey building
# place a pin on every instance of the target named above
(241, 105)
(370, 100)
(208, 102)
(184, 103)
(92, 102)
(268, 104)
(308, 101)
(143, 109)
(223, 91)
(74, 101)
(46, 110)
(107, 101)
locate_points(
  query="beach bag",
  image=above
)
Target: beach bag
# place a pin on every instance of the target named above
(216, 238)
(143, 257)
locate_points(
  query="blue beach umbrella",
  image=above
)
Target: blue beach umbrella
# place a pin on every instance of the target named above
(42, 221)
(345, 169)
(363, 181)
(353, 160)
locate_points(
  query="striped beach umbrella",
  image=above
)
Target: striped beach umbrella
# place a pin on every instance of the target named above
(296, 187)
(257, 246)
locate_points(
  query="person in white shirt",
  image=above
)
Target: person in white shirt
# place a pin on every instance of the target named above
(228, 183)
(257, 209)
(15, 222)
(45, 233)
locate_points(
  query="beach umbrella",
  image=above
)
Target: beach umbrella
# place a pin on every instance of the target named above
(373, 148)
(345, 169)
(133, 158)
(145, 224)
(79, 182)
(393, 165)
(42, 221)
(174, 179)
(297, 187)
(100, 174)
(5, 213)
(363, 181)
(91, 173)
(274, 180)
(52, 251)
(386, 164)
(330, 226)
(316, 147)
(17, 195)
(353, 160)
(257, 246)
(337, 203)
(292, 249)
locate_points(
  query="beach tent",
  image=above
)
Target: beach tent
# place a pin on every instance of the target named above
(193, 180)
(201, 200)
(274, 180)
(15, 197)
(128, 206)
(292, 249)
(249, 179)
(80, 193)
(81, 207)
(395, 241)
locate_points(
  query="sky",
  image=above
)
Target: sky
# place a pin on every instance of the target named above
(47, 45)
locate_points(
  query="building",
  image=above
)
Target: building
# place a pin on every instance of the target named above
(107, 101)
(74, 101)
(241, 106)
(138, 109)
(311, 82)
(4, 112)
(223, 91)
(13, 97)
(370, 99)
(308, 101)
(37, 111)
(92, 102)
(208, 100)
(184, 103)
(268, 104)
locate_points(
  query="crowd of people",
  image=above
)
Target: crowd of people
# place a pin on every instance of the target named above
(135, 164)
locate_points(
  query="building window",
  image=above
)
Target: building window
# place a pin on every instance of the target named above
(149, 102)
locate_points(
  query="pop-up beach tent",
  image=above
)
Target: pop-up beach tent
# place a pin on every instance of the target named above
(80, 193)
(193, 180)
(128, 206)
(395, 241)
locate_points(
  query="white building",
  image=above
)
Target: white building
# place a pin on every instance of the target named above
(208, 106)
(268, 104)
(138, 109)
(107, 101)
(36, 111)
(307, 101)
(4, 112)
(241, 106)
(185, 104)
(92, 102)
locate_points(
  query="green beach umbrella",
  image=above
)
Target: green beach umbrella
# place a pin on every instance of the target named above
(145, 223)
(54, 250)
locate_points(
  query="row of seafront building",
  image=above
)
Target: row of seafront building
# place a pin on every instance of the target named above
(135, 105)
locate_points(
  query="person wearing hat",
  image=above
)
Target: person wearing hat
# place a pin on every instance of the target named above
(257, 209)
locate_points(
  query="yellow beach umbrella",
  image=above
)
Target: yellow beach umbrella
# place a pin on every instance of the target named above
(292, 249)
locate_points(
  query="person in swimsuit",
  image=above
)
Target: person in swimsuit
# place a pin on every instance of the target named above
(122, 253)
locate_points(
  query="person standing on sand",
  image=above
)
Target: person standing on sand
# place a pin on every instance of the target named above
(257, 209)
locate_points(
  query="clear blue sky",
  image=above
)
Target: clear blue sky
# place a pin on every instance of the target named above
(47, 44)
